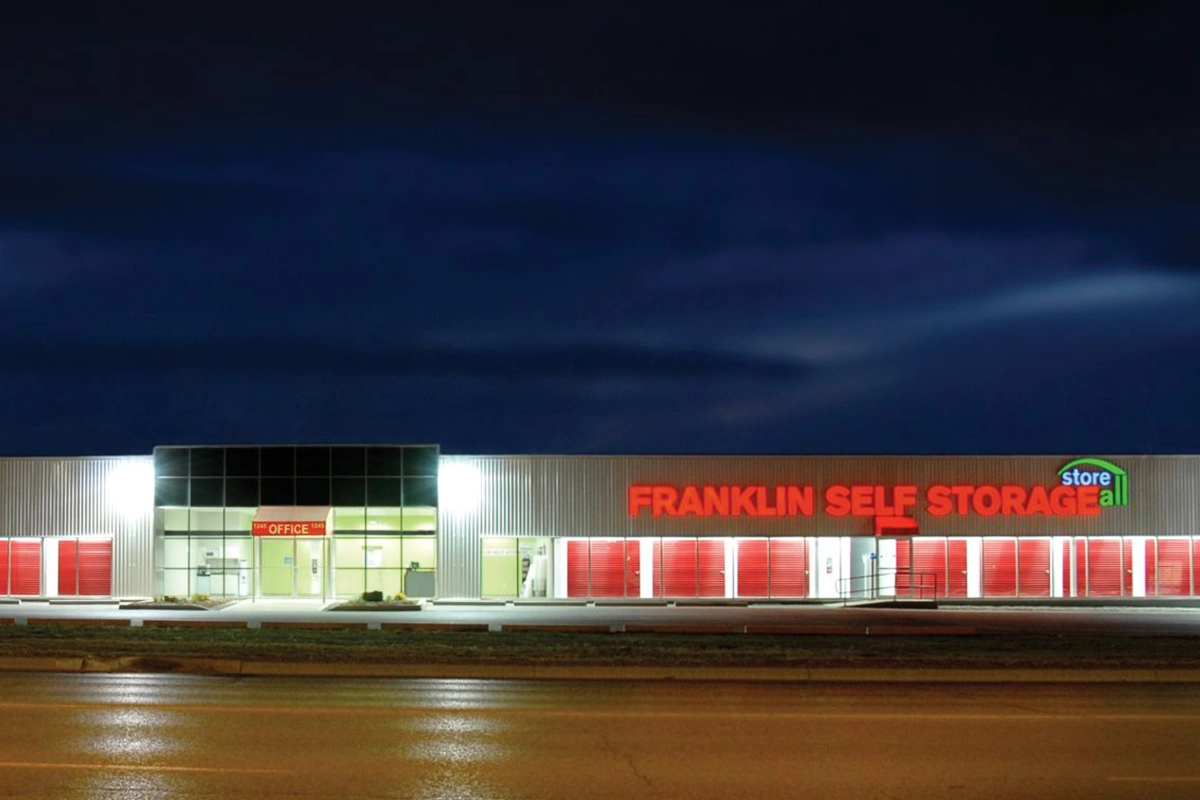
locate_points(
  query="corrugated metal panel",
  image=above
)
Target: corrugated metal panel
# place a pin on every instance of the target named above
(587, 496)
(68, 497)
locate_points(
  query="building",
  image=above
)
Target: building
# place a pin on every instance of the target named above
(335, 521)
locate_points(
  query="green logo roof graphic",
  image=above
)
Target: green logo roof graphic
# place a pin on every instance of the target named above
(1118, 495)
(1099, 463)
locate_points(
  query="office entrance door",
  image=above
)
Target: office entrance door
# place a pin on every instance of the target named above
(293, 566)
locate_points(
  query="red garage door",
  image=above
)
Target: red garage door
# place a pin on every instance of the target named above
(771, 568)
(927, 559)
(999, 567)
(752, 556)
(1174, 572)
(789, 568)
(1033, 567)
(3, 566)
(1104, 567)
(84, 568)
(608, 568)
(578, 566)
(602, 568)
(689, 568)
(25, 567)
(711, 574)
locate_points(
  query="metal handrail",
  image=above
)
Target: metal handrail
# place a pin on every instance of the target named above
(917, 585)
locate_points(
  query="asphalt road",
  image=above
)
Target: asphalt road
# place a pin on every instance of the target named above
(139, 736)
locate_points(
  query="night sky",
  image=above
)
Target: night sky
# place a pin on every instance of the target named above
(602, 227)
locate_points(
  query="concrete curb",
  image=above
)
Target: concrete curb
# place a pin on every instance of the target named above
(219, 666)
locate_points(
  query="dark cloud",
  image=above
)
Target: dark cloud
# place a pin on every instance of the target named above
(670, 226)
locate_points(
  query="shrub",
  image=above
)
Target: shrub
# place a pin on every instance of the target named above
(372, 597)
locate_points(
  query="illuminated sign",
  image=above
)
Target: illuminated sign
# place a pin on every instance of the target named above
(1086, 485)
(266, 528)
(1111, 480)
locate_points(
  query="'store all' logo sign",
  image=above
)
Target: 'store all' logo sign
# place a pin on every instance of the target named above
(1111, 480)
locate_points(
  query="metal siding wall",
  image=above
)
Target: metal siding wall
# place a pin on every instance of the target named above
(65, 497)
(587, 495)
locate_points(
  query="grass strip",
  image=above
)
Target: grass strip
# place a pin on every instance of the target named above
(599, 649)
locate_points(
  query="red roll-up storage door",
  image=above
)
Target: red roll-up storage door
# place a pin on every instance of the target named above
(1033, 567)
(789, 568)
(752, 568)
(3, 566)
(68, 570)
(1104, 567)
(25, 565)
(577, 568)
(1174, 568)
(956, 579)
(999, 567)
(903, 567)
(929, 560)
(675, 568)
(95, 568)
(608, 568)
(712, 568)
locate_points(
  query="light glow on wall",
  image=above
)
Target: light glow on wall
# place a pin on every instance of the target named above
(460, 487)
(129, 487)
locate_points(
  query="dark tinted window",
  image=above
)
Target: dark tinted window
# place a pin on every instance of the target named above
(384, 492)
(208, 492)
(278, 492)
(349, 461)
(312, 492)
(421, 461)
(349, 492)
(385, 461)
(241, 491)
(279, 461)
(420, 491)
(312, 461)
(170, 491)
(241, 461)
(208, 462)
(171, 462)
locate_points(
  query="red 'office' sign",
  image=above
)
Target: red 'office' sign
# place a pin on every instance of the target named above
(265, 528)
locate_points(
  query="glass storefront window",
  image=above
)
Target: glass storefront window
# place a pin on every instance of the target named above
(175, 582)
(175, 553)
(420, 518)
(350, 582)
(420, 550)
(384, 519)
(207, 519)
(348, 552)
(383, 551)
(499, 566)
(350, 518)
(175, 519)
(239, 519)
